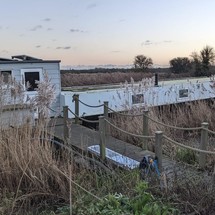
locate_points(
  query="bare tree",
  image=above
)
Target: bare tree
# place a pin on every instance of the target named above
(203, 61)
(180, 64)
(142, 62)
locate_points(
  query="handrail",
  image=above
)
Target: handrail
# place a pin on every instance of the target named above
(188, 147)
(54, 110)
(92, 106)
(174, 127)
(169, 126)
(123, 114)
(210, 131)
(126, 132)
(85, 120)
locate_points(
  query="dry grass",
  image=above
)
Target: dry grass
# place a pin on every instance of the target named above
(35, 175)
(69, 79)
(188, 115)
(28, 168)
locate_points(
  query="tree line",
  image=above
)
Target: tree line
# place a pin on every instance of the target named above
(199, 64)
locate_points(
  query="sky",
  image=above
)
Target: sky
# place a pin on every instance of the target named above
(105, 32)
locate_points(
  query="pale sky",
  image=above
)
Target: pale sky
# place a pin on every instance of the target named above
(100, 32)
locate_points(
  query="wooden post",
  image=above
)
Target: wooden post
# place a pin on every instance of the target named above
(106, 116)
(65, 123)
(203, 145)
(158, 148)
(145, 129)
(102, 137)
(76, 99)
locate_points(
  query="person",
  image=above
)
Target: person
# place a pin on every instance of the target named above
(148, 165)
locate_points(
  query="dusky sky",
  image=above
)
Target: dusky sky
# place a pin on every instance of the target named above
(103, 32)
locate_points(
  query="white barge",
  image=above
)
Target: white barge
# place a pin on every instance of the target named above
(142, 94)
(147, 93)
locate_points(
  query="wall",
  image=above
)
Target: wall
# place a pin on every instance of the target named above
(53, 70)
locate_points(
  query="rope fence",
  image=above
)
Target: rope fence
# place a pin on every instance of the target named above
(103, 122)
(91, 106)
(156, 121)
(173, 127)
(208, 130)
(85, 120)
(126, 132)
(187, 147)
(124, 114)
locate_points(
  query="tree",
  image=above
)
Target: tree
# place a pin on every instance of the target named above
(180, 65)
(142, 62)
(207, 56)
(203, 61)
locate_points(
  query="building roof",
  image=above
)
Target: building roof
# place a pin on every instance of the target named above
(25, 59)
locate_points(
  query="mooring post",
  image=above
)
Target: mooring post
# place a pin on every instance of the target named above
(102, 137)
(76, 99)
(145, 129)
(158, 148)
(156, 80)
(203, 145)
(106, 117)
(65, 123)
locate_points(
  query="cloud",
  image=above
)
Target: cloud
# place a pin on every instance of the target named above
(46, 20)
(38, 46)
(167, 41)
(49, 29)
(146, 43)
(149, 42)
(116, 51)
(122, 20)
(37, 27)
(64, 47)
(90, 6)
(76, 31)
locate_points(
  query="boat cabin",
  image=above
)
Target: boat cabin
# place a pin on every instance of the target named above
(28, 70)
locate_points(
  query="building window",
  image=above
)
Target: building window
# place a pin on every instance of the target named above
(31, 79)
(183, 93)
(6, 76)
(137, 99)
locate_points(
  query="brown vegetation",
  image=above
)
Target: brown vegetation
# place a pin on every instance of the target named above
(71, 78)
(189, 115)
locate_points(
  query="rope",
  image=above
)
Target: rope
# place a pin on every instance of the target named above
(174, 127)
(126, 132)
(188, 147)
(169, 126)
(210, 131)
(123, 114)
(92, 106)
(85, 120)
(54, 110)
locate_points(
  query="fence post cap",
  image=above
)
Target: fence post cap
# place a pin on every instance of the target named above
(204, 123)
(158, 132)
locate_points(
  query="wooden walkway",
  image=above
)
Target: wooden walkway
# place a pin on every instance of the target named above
(83, 137)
